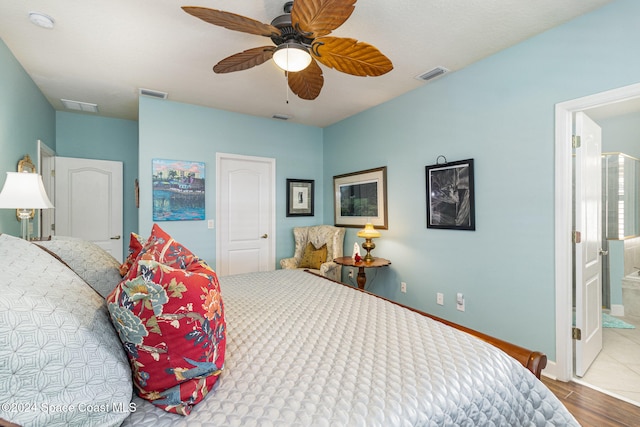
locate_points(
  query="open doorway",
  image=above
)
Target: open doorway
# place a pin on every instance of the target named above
(623, 99)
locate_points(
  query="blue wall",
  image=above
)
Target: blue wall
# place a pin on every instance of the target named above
(500, 112)
(93, 137)
(621, 134)
(25, 117)
(176, 131)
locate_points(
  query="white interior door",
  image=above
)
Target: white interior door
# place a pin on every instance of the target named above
(246, 214)
(588, 212)
(89, 201)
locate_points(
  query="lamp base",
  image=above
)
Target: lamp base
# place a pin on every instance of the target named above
(368, 245)
(24, 222)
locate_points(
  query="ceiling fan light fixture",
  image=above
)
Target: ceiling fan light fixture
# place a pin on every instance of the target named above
(292, 56)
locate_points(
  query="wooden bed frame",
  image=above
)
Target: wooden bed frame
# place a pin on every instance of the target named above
(534, 361)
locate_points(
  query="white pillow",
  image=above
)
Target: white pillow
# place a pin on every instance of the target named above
(59, 353)
(95, 265)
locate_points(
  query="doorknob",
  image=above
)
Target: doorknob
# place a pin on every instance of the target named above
(115, 237)
(602, 252)
(264, 236)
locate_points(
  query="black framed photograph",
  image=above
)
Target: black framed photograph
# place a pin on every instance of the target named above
(361, 197)
(300, 197)
(450, 196)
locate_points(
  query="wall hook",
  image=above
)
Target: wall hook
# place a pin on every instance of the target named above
(438, 159)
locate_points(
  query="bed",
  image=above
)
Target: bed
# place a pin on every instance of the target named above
(300, 350)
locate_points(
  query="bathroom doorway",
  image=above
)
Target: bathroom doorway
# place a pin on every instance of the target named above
(614, 103)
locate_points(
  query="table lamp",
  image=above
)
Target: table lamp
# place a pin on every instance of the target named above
(24, 191)
(368, 232)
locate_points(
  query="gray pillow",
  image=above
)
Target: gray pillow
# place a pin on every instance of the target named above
(60, 358)
(95, 265)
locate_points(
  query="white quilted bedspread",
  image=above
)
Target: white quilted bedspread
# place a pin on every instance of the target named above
(303, 351)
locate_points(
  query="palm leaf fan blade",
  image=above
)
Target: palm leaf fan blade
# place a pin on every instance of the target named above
(317, 18)
(307, 84)
(351, 56)
(232, 21)
(244, 60)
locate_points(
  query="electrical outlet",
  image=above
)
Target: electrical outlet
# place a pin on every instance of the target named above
(440, 298)
(350, 273)
(460, 301)
(403, 287)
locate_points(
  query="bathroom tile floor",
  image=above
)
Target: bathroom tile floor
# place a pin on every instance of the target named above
(617, 367)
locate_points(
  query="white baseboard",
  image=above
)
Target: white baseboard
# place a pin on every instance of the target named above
(617, 310)
(550, 371)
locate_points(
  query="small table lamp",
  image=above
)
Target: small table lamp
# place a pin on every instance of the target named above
(24, 191)
(368, 232)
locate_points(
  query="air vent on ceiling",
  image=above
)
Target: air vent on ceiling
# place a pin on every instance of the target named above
(432, 74)
(79, 106)
(281, 116)
(154, 93)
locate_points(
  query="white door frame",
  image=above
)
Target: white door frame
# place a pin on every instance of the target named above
(46, 162)
(564, 111)
(272, 224)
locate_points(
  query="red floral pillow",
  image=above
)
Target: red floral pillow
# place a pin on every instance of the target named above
(163, 248)
(136, 244)
(171, 323)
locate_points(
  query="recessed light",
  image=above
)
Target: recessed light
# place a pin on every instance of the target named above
(41, 20)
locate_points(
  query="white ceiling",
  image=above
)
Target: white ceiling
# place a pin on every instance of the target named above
(103, 51)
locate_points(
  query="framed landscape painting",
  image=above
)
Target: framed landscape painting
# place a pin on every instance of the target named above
(450, 196)
(178, 190)
(361, 197)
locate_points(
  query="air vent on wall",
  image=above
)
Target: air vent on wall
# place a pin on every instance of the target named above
(432, 74)
(154, 93)
(281, 117)
(87, 107)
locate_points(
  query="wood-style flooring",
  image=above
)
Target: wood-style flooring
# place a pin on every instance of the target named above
(592, 408)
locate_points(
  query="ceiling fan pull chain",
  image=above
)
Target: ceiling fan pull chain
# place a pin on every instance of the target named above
(286, 73)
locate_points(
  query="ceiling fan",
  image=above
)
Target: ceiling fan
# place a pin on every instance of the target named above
(300, 37)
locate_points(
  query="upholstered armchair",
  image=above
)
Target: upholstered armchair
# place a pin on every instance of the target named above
(316, 248)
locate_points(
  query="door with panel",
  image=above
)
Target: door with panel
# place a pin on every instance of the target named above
(246, 214)
(89, 201)
(588, 247)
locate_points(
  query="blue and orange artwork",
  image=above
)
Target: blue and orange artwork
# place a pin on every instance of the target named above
(178, 190)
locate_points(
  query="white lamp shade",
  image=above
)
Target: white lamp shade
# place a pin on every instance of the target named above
(24, 190)
(292, 57)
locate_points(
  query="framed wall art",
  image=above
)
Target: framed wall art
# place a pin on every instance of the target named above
(450, 195)
(178, 190)
(361, 197)
(300, 197)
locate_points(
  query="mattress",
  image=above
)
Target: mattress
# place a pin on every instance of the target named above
(304, 351)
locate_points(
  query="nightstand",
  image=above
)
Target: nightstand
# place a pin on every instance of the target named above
(348, 261)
